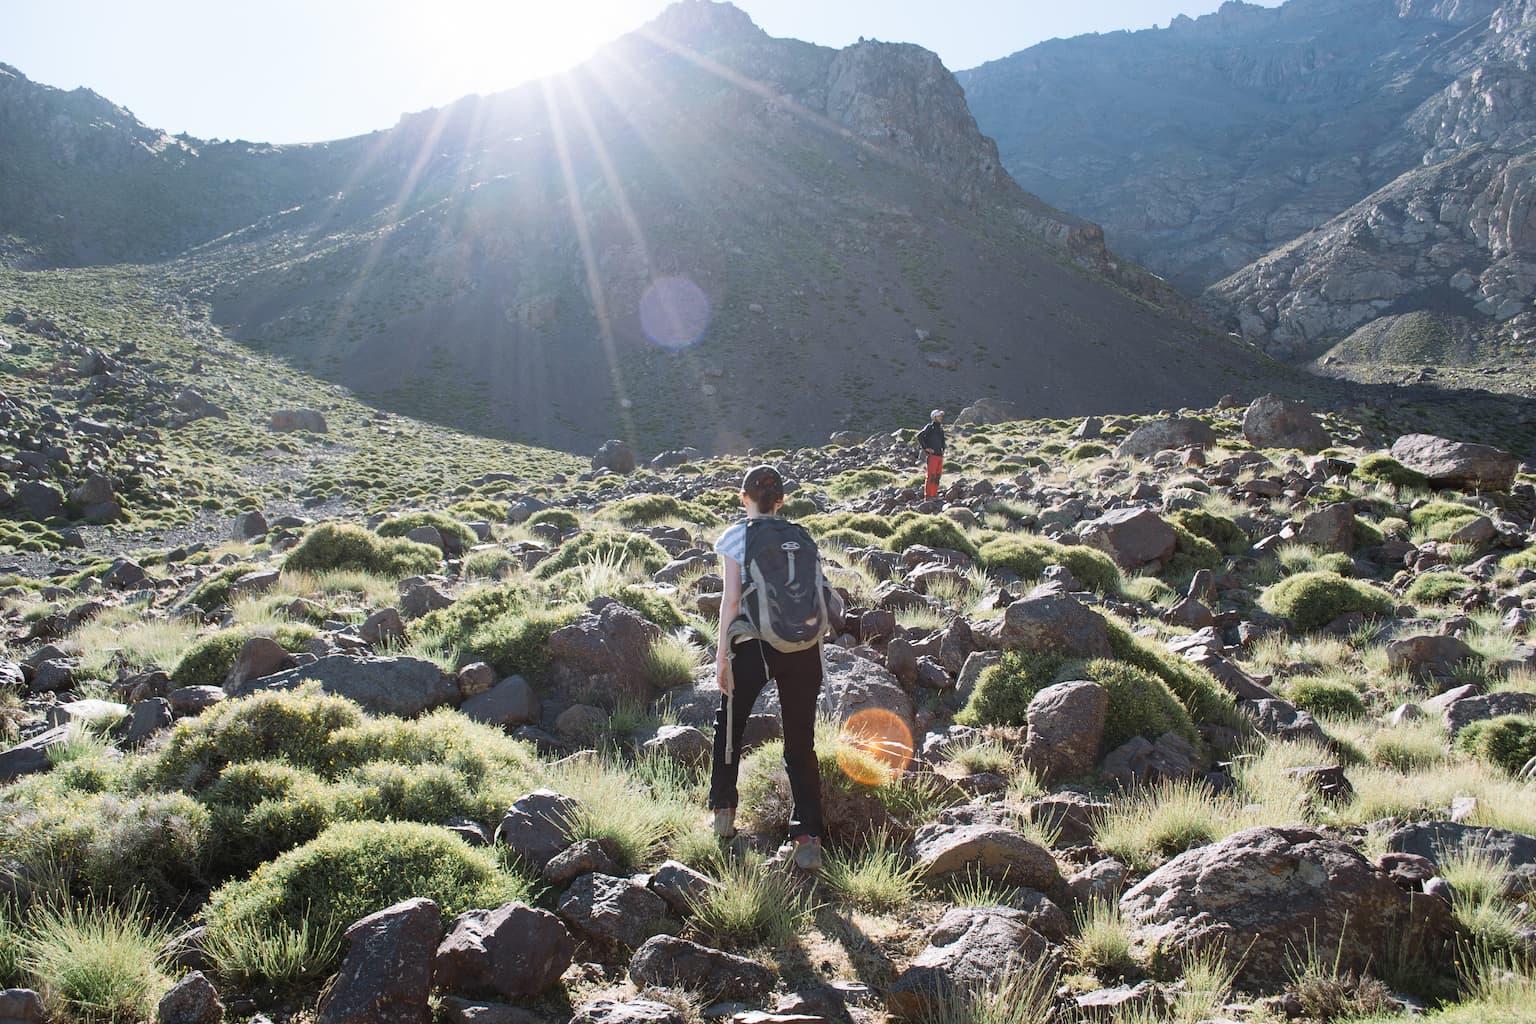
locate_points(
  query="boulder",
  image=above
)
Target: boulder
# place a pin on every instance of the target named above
(145, 719)
(1331, 528)
(418, 596)
(458, 1010)
(1139, 761)
(386, 975)
(1048, 618)
(189, 701)
(989, 851)
(1274, 422)
(613, 912)
(253, 584)
(382, 627)
(88, 710)
(192, 1000)
(1462, 713)
(514, 950)
(31, 755)
(681, 886)
(535, 826)
(601, 657)
(987, 411)
(260, 656)
(510, 702)
(664, 961)
(22, 1006)
(1133, 537)
(681, 743)
(628, 1011)
(249, 525)
(1430, 654)
(284, 420)
(968, 948)
(1434, 840)
(1264, 893)
(1456, 464)
(383, 686)
(1066, 723)
(614, 457)
(580, 858)
(1283, 720)
(1175, 432)
(35, 500)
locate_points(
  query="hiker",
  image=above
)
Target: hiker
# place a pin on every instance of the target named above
(765, 569)
(931, 440)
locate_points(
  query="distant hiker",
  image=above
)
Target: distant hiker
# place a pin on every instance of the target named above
(931, 440)
(773, 613)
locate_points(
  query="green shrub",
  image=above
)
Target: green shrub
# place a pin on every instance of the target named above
(1519, 560)
(209, 659)
(849, 539)
(625, 550)
(1438, 587)
(1190, 554)
(1384, 469)
(1025, 558)
(478, 508)
(861, 522)
(930, 531)
(1325, 697)
(646, 509)
(98, 962)
(1440, 519)
(561, 519)
(1093, 568)
(331, 547)
(1219, 530)
(857, 482)
(1314, 599)
(1085, 451)
(518, 643)
(357, 868)
(214, 590)
(1508, 741)
(653, 604)
(1202, 696)
(1004, 690)
(261, 809)
(1368, 534)
(797, 507)
(1140, 704)
(447, 526)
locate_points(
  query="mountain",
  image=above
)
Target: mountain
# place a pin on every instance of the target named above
(1316, 165)
(703, 235)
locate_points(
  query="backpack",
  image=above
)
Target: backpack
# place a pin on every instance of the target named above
(784, 599)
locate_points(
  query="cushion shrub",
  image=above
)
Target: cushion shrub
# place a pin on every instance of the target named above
(401, 525)
(330, 547)
(1191, 553)
(1438, 587)
(1519, 560)
(1326, 697)
(1203, 697)
(930, 531)
(560, 518)
(624, 549)
(1508, 741)
(1384, 469)
(646, 509)
(214, 590)
(1004, 690)
(1367, 533)
(1140, 704)
(1440, 519)
(1219, 530)
(1025, 557)
(856, 482)
(1093, 568)
(1085, 451)
(208, 660)
(1314, 599)
(863, 522)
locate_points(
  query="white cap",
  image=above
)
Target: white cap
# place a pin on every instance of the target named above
(936, 414)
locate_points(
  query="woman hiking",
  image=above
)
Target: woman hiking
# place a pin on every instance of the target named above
(747, 661)
(931, 440)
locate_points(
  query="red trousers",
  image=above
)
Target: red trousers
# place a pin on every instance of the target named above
(935, 467)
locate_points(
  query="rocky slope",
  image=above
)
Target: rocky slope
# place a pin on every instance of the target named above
(635, 248)
(1330, 161)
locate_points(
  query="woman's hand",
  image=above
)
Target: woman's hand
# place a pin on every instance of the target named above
(723, 677)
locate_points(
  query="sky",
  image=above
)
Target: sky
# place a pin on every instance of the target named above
(312, 70)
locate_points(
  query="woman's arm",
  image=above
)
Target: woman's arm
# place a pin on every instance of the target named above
(730, 607)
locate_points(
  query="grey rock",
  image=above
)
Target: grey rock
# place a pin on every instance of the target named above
(629, 1011)
(249, 525)
(988, 851)
(382, 627)
(22, 1006)
(1102, 880)
(458, 1010)
(284, 420)
(602, 656)
(1456, 464)
(512, 951)
(1435, 840)
(31, 756)
(86, 711)
(390, 686)
(1434, 654)
(1273, 422)
(35, 500)
(1283, 720)
(536, 826)
(1464, 712)
(615, 457)
(1133, 537)
(260, 656)
(581, 723)
(969, 947)
(419, 596)
(508, 703)
(1047, 618)
(681, 743)
(1065, 726)
(613, 912)
(1331, 528)
(582, 858)
(475, 678)
(1270, 891)
(681, 886)
(1139, 761)
(145, 719)
(1175, 432)
(192, 1000)
(386, 975)
(189, 701)
(664, 961)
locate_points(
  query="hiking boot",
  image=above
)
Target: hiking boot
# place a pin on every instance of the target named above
(808, 853)
(724, 822)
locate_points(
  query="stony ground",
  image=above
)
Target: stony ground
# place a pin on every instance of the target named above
(1222, 716)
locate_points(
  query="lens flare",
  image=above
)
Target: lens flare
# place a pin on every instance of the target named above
(674, 312)
(873, 746)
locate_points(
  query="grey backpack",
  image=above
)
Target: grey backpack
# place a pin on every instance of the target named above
(785, 597)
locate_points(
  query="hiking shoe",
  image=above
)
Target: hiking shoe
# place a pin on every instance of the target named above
(808, 853)
(724, 822)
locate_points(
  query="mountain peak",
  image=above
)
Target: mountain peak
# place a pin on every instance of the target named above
(704, 24)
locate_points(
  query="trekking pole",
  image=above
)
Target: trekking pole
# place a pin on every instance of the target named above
(730, 712)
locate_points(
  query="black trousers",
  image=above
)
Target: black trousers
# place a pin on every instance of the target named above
(798, 677)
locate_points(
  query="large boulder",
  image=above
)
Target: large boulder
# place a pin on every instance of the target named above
(383, 686)
(514, 950)
(665, 961)
(1133, 537)
(614, 457)
(1175, 432)
(1456, 464)
(1431, 654)
(260, 656)
(969, 947)
(35, 500)
(1274, 422)
(994, 852)
(31, 755)
(1331, 528)
(602, 656)
(22, 1006)
(613, 912)
(627, 1011)
(1462, 713)
(284, 420)
(1066, 724)
(192, 1000)
(386, 975)
(987, 411)
(1048, 618)
(510, 702)
(537, 826)
(1437, 840)
(1265, 893)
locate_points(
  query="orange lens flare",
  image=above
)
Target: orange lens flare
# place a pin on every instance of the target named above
(873, 746)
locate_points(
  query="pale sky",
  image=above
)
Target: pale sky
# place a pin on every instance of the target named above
(309, 70)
